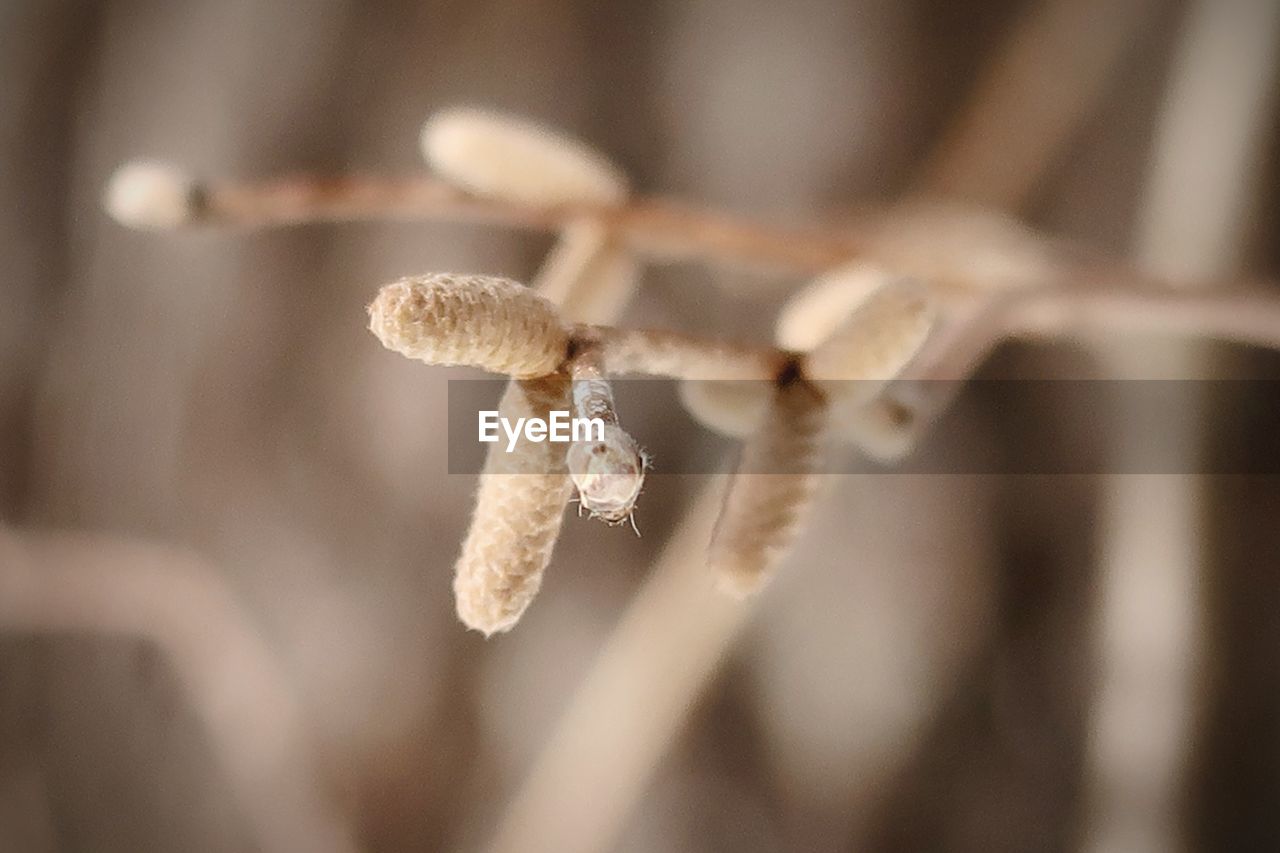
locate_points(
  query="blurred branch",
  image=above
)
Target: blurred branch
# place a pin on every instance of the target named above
(636, 695)
(153, 196)
(1153, 549)
(56, 583)
(1048, 76)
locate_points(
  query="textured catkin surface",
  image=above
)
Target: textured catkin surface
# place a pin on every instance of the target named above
(771, 492)
(876, 341)
(478, 321)
(519, 508)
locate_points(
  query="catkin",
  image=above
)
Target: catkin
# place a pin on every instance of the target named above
(589, 274)
(731, 408)
(883, 429)
(873, 344)
(735, 409)
(963, 247)
(504, 157)
(518, 512)
(153, 196)
(812, 313)
(478, 321)
(771, 492)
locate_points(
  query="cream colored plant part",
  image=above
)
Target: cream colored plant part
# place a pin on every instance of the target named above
(733, 409)
(491, 323)
(873, 344)
(590, 277)
(807, 319)
(966, 248)
(590, 273)
(496, 155)
(152, 196)
(770, 494)
(519, 509)
(816, 310)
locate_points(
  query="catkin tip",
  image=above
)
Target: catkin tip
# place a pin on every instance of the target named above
(491, 323)
(151, 196)
(816, 310)
(874, 343)
(769, 497)
(504, 157)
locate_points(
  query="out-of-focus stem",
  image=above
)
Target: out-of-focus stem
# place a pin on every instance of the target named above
(1043, 81)
(69, 583)
(653, 227)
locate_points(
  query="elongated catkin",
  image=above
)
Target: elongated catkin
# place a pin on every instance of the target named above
(505, 157)
(873, 344)
(518, 512)
(770, 494)
(479, 321)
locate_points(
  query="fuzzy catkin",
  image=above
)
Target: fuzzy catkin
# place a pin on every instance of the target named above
(873, 344)
(815, 311)
(519, 508)
(964, 247)
(150, 195)
(731, 408)
(883, 429)
(770, 494)
(510, 158)
(478, 321)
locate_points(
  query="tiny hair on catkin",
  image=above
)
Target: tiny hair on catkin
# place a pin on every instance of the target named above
(491, 323)
(771, 492)
(519, 508)
(510, 158)
(150, 195)
(873, 344)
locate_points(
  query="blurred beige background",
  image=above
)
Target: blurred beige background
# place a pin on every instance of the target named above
(920, 675)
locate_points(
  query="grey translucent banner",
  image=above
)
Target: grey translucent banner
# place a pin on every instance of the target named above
(985, 426)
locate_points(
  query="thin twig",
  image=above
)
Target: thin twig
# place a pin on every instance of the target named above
(657, 228)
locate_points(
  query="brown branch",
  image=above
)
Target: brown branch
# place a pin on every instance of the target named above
(656, 228)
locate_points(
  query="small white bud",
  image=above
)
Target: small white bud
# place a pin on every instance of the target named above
(150, 195)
